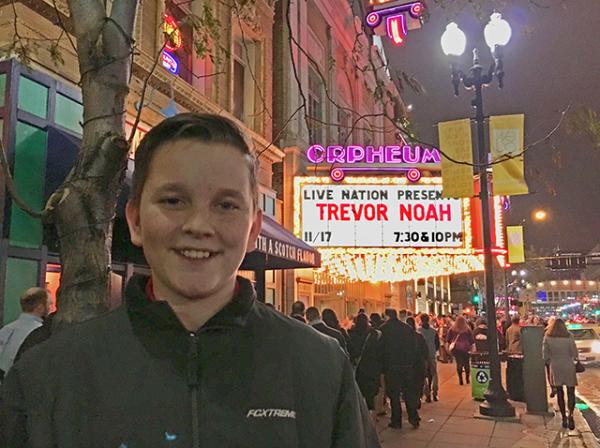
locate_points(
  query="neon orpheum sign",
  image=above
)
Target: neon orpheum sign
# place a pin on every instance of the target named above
(368, 155)
(395, 20)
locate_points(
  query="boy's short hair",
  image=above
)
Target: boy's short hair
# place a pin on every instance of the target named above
(33, 297)
(205, 128)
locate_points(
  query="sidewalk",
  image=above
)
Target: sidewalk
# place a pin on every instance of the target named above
(450, 423)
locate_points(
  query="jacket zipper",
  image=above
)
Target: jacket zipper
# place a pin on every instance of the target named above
(192, 370)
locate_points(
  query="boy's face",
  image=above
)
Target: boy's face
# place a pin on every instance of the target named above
(195, 221)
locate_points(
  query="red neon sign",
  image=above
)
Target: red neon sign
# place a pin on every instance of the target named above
(172, 33)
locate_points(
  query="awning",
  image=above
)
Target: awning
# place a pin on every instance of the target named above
(277, 248)
(62, 153)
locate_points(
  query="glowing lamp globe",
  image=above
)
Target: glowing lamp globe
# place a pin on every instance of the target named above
(497, 31)
(453, 40)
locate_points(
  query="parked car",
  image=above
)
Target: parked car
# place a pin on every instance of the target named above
(587, 341)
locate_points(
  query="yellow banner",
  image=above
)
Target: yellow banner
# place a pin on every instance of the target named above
(516, 249)
(455, 141)
(506, 139)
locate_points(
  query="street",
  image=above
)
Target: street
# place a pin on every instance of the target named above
(588, 391)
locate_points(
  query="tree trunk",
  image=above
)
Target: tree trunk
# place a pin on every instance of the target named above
(84, 217)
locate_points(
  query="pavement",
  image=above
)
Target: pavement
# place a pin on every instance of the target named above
(451, 423)
(588, 392)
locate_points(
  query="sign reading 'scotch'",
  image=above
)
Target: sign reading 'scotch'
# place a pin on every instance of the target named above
(335, 215)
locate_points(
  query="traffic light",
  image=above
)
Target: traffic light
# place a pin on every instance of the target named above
(475, 299)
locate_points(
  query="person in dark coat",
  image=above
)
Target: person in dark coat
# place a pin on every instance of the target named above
(331, 320)
(399, 359)
(37, 336)
(364, 355)
(421, 367)
(314, 320)
(376, 320)
(298, 311)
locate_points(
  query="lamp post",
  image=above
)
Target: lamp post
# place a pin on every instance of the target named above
(497, 34)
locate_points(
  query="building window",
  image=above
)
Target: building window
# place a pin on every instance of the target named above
(33, 97)
(315, 106)
(2, 88)
(244, 67)
(267, 204)
(344, 126)
(68, 113)
(270, 296)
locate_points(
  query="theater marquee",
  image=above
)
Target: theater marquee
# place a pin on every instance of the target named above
(380, 216)
(388, 229)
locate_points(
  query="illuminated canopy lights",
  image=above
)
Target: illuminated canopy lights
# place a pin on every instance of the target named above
(385, 265)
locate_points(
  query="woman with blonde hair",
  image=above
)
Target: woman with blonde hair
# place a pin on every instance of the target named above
(560, 352)
(460, 338)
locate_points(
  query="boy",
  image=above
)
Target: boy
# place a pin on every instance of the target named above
(191, 359)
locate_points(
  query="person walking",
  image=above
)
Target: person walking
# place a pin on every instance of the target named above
(560, 352)
(314, 320)
(331, 320)
(513, 337)
(433, 345)
(364, 355)
(298, 311)
(399, 359)
(376, 320)
(35, 306)
(420, 371)
(460, 338)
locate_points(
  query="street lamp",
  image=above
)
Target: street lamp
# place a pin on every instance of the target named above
(497, 34)
(540, 215)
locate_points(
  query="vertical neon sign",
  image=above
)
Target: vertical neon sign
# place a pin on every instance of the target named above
(395, 23)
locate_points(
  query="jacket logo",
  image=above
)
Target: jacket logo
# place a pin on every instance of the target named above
(271, 413)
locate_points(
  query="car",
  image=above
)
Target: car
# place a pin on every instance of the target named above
(587, 341)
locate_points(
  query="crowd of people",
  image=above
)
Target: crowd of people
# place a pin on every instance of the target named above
(395, 355)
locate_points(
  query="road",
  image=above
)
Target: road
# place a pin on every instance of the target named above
(588, 391)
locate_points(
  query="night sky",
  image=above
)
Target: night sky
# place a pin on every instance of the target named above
(552, 60)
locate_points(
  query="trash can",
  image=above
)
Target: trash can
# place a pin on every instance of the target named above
(480, 374)
(515, 386)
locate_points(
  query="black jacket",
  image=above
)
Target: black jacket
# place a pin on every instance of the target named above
(322, 327)
(135, 377)
(398, 346)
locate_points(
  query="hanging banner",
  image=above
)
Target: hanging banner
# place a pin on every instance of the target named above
(455, 141)
(506, 139)
(516, 250)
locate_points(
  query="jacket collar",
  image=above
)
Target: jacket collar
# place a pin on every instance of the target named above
(160, 314)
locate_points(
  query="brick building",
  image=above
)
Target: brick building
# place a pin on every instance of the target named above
(41, 114)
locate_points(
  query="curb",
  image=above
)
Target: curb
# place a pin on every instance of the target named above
(588, 437)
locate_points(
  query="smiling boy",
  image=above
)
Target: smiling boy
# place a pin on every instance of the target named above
(191, 359)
